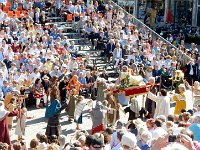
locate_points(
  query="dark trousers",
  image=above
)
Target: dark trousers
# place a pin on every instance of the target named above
(191, 79)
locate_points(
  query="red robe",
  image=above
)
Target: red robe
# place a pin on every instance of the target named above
(4, 131)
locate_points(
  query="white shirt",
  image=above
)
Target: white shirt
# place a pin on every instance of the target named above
(191, 70)
(131, 57)
(114, 142)
(35, 76)
(118, 54)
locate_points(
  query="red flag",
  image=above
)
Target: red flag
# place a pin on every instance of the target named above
(169, 18)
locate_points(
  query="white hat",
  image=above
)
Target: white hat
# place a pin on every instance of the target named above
(163, 117)
(48, 51)
(129, 140)
(56, 67)
(64, 65)
(138, 123)
(42, 146)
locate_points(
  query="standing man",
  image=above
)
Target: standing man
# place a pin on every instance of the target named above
(163, 101)
(191, 71)
(58, 7)
(150, 105)
(63, 91)
(198, 68)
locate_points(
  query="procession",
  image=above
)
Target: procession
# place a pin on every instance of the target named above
(83, 75)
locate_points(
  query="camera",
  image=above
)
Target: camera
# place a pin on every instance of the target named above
(172, 138)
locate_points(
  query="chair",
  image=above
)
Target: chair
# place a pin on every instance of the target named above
(69, 17)
(18, 14)
(8, 4)
(10, 14)
(6, 9)
(19, 8)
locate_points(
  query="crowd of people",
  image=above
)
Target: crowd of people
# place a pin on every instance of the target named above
(41, 68)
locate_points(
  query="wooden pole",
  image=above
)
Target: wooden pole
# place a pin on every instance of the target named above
(160, 83)
(192, 91)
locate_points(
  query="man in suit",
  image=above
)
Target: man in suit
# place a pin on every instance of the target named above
(191, 71)
(156, 73)
(198, 68)
(109, 49)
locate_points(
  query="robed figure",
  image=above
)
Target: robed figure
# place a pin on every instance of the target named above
(4, 131)
(113, 112)
(53, 114)
(97, 118)
(150, 105)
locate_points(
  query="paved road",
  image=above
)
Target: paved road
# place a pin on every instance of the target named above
(38, 123)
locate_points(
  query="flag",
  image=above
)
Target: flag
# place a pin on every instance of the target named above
(169, 18)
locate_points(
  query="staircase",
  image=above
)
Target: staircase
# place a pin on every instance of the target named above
(85, 47)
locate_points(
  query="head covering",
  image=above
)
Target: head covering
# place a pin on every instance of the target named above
(163, 117)
(3, 112)
(182, 86)
(98, 104)
(42, 146)
(52, 109)
(119, 125)
(129, 140)
(135, 107)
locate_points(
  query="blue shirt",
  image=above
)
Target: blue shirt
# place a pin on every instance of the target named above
(145, 147)
(6, 90)
(82, 80)
(122, 99)
(195, 128)
(54, 35)
(1, 56)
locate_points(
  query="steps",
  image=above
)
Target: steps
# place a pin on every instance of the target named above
(85, 47)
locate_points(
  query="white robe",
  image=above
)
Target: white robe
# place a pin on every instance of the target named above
(162, 104)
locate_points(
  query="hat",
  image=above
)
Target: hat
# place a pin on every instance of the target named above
(42, 146)
(45, 77)
(98, 104)
(181, 86)
(161, 117)
(56, 67)
(138, 123)
(64, 65)
(48, 51)
(129, 140)
(119, 125)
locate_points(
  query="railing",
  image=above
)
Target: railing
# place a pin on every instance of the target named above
(181, 57)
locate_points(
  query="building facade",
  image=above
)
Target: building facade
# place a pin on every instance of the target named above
(180, 12)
